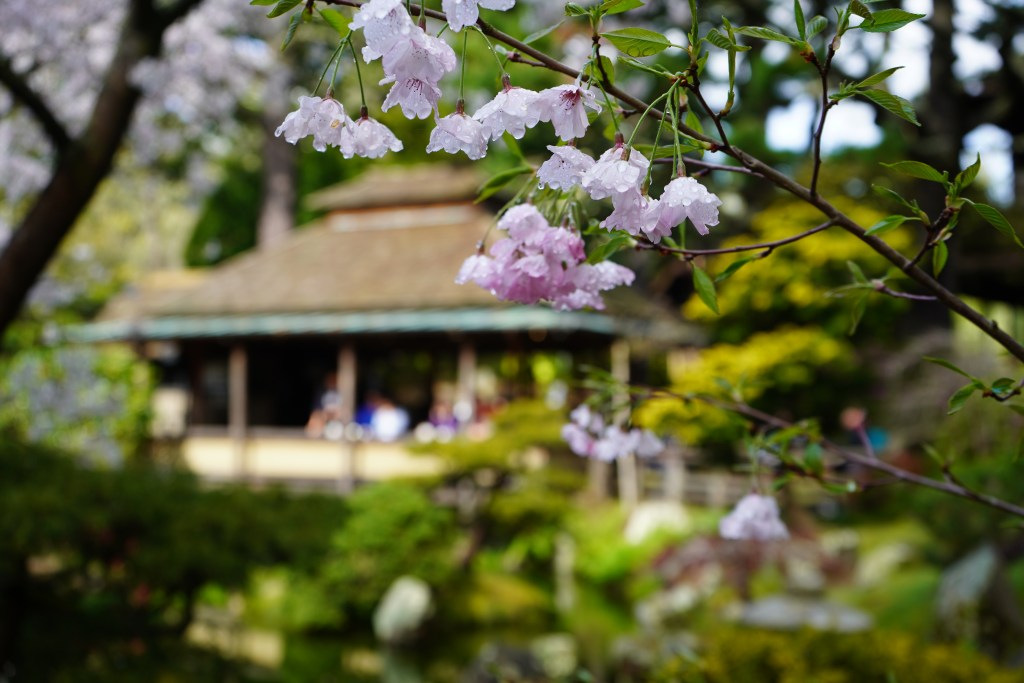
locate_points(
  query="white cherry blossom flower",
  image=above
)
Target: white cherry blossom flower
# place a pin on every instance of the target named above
(619, 170)
(419, 56)
(462, 13)
(369, 138)
(686, 198)
(635, 213)
(565, 168)
(756, 518)
(565, 106)
(512, 110)
(323, 118)
(418, 99)
(385, 23)
(459, 133)
(587, 435)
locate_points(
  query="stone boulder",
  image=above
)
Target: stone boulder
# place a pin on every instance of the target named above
(403, 611)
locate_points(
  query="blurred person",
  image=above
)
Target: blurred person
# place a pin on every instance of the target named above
(389, 421)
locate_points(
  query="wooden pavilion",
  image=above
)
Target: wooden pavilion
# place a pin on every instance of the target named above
(365, 294)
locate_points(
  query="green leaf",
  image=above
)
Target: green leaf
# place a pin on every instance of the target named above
(860, 9)
(892, 103)
(513, 146)
(720, 40)
(733, 267)
(996, 220)
(767, 34)
(877, 78)
(593, 70)
(293, 26)
(888, 20)
(336, 20)
(496, 182)
(537, 35)
(949, 366)
(637, 42)
(262, 3)
(816, 26)
(958, 399)
(705, 287)
(693, 121)
(655, 69)
(860, 304)
(918, 169)
(615, 243)
(813, 460)
(664, 151)
(895, 196)
(618, 6)
(940, 255)
(283, 7)
(574, 10)
(840, 489)
(965, 177)
(1016, 407)
(887, 224)
(801, 27)
(858, 274)
(1003, 387)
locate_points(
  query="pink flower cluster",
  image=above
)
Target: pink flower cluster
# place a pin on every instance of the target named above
(538, 262)
(325, 120)
(587, 435)
(755, 518)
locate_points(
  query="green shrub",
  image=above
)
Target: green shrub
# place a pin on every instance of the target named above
(748, 656)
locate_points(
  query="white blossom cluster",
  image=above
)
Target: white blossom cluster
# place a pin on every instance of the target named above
(755, 518)
(589, 436)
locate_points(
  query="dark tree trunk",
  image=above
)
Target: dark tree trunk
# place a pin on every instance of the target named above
(83, 162)
(277, 210)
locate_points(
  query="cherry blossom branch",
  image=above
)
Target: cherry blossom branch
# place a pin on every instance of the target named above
(882, 288)
(36, 106)
(826, 104)
(709, 166)
(773, 175)
(950, 485)
(767, 247)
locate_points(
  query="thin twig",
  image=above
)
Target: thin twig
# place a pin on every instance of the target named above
(882, 288)
(36, 106)
(708, 166)
(767, 247)
(826, 104)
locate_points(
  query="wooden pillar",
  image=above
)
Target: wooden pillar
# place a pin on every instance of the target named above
(675, 474)
(465, 391)
(628, 468)
(238, 407)
(347, 377)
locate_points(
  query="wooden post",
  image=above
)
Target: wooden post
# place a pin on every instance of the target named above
(628, 468)
(675, 474)
(349, 471)
(465, 392)
(238, 409)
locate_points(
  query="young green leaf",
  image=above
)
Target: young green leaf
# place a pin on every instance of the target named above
(604, 250)
(860, 9)
(940, 255)
(892, 103)
(601, 69)
(336, 20)
(537, 35)
(718, 39)
(705, 287)
(733, 267)
(655, 69)
(877, 78)
(888, 20)
(895, 196)
(767, 34)
(958, 399)
(887, 224)
(816, 26)
(637, 42)
(574, 10)
(293, 26)
(996, 220)
(1003, 387)
(262, 3)
(860, 304)
(813, 460)
(283, 7)
(496, 182)
(858, 274)
(801, 27)
(949, 366)
(965, 177)
(918, 169)
(618, 6)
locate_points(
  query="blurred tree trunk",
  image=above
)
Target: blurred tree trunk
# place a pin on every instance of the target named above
(277, 208)
(81, 162)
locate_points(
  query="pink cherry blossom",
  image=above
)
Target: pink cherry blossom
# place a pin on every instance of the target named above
(755, 517)
(418, 56)
(686, 198)
(366, 137)
(588, 436)
(565, 107)
(635, 213)
(565, 169)
(462, 13)
(418, 99)
(512, 110)
(459, 133)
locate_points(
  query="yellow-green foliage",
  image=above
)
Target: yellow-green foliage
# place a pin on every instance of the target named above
(783, 360)
(792, 283)
(748, 656)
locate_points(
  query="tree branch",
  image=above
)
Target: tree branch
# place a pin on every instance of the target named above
(768, 247)
(37, 107)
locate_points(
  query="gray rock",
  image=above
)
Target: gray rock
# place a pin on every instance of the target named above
(403, 610)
